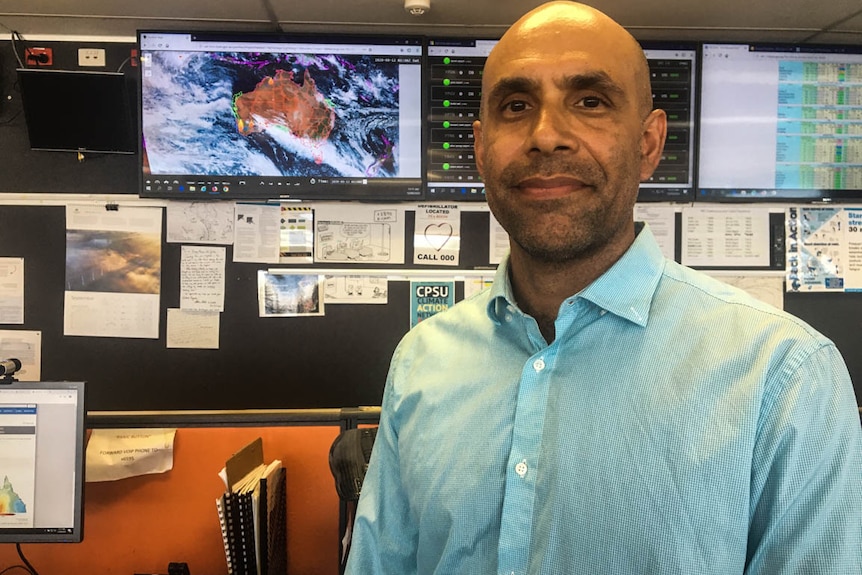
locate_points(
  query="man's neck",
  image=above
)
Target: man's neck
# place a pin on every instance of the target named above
(541, 287)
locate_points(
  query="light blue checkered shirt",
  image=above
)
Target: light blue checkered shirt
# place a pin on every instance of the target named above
(675, 426)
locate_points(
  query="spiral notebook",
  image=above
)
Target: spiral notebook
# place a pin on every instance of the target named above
(253, 515)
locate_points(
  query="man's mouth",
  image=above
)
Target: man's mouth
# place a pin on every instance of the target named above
(551, 187)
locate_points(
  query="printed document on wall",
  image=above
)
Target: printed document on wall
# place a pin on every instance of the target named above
(824, 248)
(113, 271)
(12, 290)
(257, 233)
(202, 273)
(200, 222)
(356, 234)
(437, 236)
(735, 237)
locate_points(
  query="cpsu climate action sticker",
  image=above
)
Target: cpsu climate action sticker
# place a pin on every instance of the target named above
(428, 298)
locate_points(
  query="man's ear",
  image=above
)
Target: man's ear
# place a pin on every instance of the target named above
(478, 146)
(652, 142)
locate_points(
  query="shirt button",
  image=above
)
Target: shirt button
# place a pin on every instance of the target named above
(508, 317)
(539, 364)
(521, 468)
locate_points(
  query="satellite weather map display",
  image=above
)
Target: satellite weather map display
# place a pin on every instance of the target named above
(274, 117)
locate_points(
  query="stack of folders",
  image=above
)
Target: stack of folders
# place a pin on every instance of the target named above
(252, 515)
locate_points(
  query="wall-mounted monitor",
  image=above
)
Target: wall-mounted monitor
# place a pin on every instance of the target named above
(42, 431)
(453, 92)
(674, 77)
(78, 111)
(780, 122)
(282, 116)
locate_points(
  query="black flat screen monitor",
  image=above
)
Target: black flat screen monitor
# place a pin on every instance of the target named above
(78, 111)
(780, 122)
(281, 116)
(42, 430)
(453, 84)
(674, 78)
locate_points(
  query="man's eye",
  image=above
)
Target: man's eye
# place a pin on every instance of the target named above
(591, 102)
(515, 106)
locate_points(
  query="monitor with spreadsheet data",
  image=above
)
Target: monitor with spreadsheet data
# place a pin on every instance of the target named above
(780, 122)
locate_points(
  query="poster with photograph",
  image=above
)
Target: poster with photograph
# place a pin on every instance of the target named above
(289, 294)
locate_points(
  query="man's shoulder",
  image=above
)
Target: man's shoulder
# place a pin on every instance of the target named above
(706, 296)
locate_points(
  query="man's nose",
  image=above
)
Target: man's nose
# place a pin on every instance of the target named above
(552, 130)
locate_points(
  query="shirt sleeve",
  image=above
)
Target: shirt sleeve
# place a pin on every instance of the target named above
(806, 488)
(384, 533)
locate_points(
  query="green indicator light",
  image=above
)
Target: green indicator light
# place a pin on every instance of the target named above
(446, 146)
(447, 60)
(446, 103)
(445, 166)
(447, 81)
(446, 124)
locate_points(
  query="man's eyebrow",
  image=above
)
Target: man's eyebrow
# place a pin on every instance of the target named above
(514, 85)
(599, 81)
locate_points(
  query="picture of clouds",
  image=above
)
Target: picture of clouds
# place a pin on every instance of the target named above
(113, 261)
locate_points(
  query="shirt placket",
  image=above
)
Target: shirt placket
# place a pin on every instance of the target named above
(522, 469)
(523, 466)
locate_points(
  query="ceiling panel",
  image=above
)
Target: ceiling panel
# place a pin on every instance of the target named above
(772, 20)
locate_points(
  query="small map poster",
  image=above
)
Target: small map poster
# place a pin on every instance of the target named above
(824, 249)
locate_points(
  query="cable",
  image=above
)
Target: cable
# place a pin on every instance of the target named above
(15, 35)
(24, 559)
(126, 61)
(14, 48)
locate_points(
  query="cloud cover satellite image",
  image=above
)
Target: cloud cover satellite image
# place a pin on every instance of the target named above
(240, 114)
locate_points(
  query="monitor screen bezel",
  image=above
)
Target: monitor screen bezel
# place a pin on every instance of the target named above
(270, 188)
(75, 533)
(733, 194)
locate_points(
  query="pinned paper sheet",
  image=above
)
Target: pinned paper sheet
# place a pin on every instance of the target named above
(119, 453)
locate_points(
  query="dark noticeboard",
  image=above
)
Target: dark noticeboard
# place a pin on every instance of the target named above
(336, 360)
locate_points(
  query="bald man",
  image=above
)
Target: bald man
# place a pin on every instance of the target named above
(600, 409)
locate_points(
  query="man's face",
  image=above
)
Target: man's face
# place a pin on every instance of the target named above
(565, 139)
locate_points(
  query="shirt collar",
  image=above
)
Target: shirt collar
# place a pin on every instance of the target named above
(626, 289)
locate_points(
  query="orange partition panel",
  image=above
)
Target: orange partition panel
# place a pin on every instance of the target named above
(140, 524)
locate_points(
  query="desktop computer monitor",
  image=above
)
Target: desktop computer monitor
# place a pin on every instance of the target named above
(280, 116)
(78, 111)
(453, 88)
(780, 122)
(42, 428)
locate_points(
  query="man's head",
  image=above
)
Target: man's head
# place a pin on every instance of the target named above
(567, 132)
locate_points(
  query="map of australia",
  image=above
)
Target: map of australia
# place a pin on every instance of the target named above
(10, 503)
(281, 102)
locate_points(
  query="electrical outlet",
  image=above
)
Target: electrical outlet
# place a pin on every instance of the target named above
(91, 57)
(38, 56)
